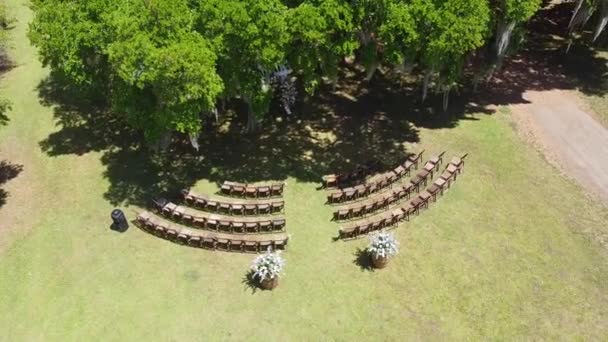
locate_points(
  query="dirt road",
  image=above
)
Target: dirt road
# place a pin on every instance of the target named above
(570, 136)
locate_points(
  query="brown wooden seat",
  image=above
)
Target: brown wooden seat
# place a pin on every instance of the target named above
(278, 224)
(425, 196)
(416, 203)
(251, 227)
(225, 226)
(264, 208)
(238, 227)
(263, 245)
(251, 209)
(280, 244)
(265, 226)
(199, 222)
(211, 205)
(250, 246)
(263, 191)
(226, 188)
(208, 243)
(236, 245)
(276, 189)
(277, 206)
(343, 214)
(194, 241)
(251, 191)
(238, 209)
(170, 234)
(224, 208)
(222, 244)
(434, 189)
(212, 223)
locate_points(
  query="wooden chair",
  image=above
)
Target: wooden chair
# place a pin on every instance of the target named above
(277, 189)
(171, 234)
(280, 244)
(211, 205)
(225, 226)
(251, 209)
(208, 243)
(194, 241)
(224, 208)
(251, 192)
(238, 227)
(199, 222)
(278, 224)
(277, 207)
(250, 246)
(222, 244)
(212, 224)
(437, 160)
(265, 226)
(263, 245)
(264, 191)
(236, 245)
(425, 196)
(343, 214)
(252, 227)
(264, 208)
(357, 211)
(237, 190)
(238, 209)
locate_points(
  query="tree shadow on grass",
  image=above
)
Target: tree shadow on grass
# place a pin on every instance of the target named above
(363, 260)
(333, 131)
(8, 171)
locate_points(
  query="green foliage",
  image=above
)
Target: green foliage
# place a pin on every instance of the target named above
(162, 63)
(171, 66)
(520, 10)
(322, 33)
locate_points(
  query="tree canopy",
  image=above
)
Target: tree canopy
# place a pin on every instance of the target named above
(165, 64)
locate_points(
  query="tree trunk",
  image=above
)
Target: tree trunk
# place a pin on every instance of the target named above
(251, 119)
(503, 38)
(425, 84)
(371, 70)
(446, 97)
(603, 20)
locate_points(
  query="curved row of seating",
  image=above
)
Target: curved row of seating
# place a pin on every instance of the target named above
(391, 219)
(384, 200)
(357, 174)
(383, 180)
(217, 222)
(232, 206)
(252, 190)
(210, 240)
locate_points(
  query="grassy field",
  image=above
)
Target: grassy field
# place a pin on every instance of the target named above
(513, 251)
(599, 101)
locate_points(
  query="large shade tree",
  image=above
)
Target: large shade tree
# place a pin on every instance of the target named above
(163, 64)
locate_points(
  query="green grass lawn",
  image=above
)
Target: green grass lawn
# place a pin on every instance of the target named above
(513, 251)
(599, 101)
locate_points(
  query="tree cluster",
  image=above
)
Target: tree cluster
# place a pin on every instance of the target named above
(164, 64)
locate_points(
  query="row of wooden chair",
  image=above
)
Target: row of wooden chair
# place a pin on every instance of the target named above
(384, 200)
(251, 190)
(232, 207)
(384, 180)
(391, 219)
(201, 239)
(237, 225)
(357, 175)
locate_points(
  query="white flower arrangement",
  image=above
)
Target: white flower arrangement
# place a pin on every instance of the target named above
(268, 265)
(383, 245)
